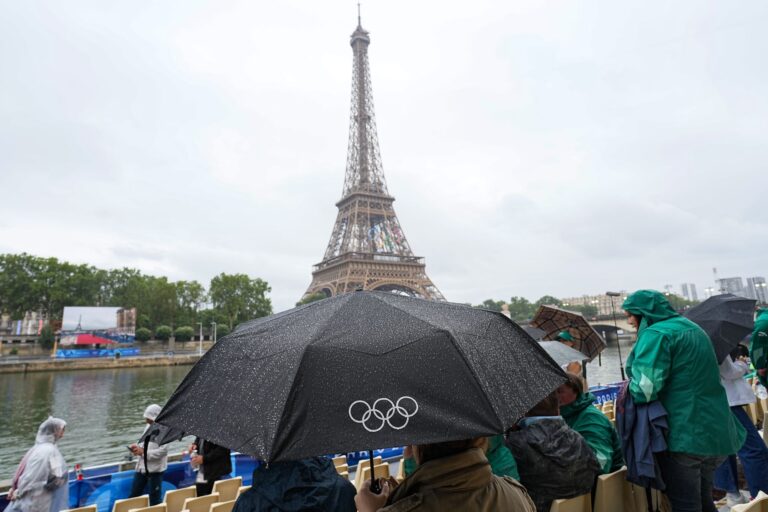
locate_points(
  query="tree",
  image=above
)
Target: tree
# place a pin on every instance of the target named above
(548, 300)
(47, 337)
(222, 330)
(312, 297)
(520, 309)
(163, 333)
(143, 334)
(678, 303)
(240, 298)
(493, 305)
(184, 333)
(190, 296)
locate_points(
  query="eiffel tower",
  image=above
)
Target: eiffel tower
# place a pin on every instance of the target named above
(368, 249)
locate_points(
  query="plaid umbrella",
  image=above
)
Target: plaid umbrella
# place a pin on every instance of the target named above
(553, 320)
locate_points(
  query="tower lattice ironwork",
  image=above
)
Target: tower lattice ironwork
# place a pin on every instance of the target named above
(368, 249)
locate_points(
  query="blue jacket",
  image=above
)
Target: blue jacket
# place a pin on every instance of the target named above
(642, 429)
(311, 485)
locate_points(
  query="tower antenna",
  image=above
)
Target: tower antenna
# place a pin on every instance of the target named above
(359, 24)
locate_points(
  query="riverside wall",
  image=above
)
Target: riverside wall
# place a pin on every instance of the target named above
(49, 365)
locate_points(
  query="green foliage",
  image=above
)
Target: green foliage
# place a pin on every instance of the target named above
(13, 352)
(47, 285)
(520, 309)
(47, 337)
(184, 333)
(143, 334)
(240, 298)
(163, 333)
(679, 303)
(493, 305)
(222, 330)
(548, 300)
(312, 297)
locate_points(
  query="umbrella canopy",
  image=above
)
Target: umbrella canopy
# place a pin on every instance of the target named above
(562, 353)
(534, 332)
(358, 371)
(726, 318)
(553, 320)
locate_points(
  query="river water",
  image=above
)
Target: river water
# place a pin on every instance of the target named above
(103, 408)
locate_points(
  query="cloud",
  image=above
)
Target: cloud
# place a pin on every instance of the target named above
(532, 150)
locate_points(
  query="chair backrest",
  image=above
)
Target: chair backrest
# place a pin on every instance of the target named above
(201, 503)
(344, 474)
(341, 459)
(342, 468)
(581, 503)
(223, 506)
(129, 503)
(752, 412)
(609, 493)
(89, 508)
(174, 500)
(242, 489)
(227, 489)
(400, 471)
(380, 470)
(154, 508)
(361, 467)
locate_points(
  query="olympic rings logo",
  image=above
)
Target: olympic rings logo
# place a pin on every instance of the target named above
(382, 412)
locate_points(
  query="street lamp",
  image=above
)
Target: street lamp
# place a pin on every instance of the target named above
(200, 346)
(616, 326)
(214, 331)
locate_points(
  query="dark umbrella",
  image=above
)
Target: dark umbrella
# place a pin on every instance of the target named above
(726, 319)
(361, 370)
(553, 320)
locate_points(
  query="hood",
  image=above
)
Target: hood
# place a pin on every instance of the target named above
(462, 472)
(762, 313)
(297, 485)
(552, 439)
(651, 305)
(574, 408)
(564, 335)
(50, 430)
(152, 411)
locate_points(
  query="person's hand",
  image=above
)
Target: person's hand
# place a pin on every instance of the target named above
(366, 501)
(197, 460)
(192, 448)
(137, 450)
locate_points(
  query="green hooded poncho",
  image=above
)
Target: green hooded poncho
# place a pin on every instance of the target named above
(596, 429)
(758, 351)
(673, 361)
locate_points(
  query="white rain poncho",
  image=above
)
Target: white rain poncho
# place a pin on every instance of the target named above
(40, 483)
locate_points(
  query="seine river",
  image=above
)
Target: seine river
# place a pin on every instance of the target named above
(103, 408)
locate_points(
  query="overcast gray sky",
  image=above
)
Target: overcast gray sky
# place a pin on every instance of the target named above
(534, 148)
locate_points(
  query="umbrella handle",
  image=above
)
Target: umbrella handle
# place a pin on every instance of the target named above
(375, 487)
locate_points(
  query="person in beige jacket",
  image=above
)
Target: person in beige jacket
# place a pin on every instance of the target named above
(454, 475)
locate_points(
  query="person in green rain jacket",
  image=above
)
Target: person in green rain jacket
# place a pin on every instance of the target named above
(673, 361)
(578, 412)
(758, 351)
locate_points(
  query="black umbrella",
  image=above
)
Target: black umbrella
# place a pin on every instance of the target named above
(361, 370)
(726, 318)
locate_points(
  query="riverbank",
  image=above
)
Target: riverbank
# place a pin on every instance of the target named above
(49, 365)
